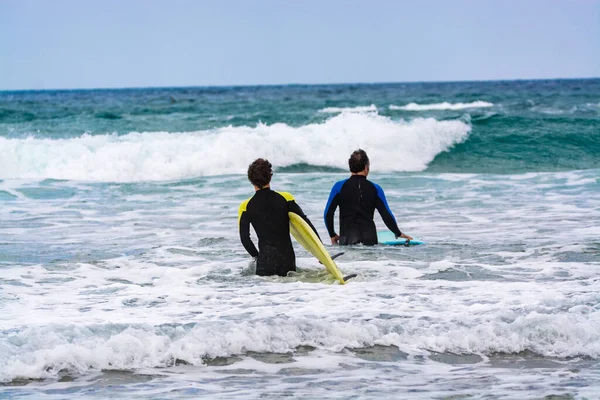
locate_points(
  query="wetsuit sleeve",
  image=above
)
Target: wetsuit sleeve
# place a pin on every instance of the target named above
(295, 208)
(385, 212)
(332, 204)
(244, 227)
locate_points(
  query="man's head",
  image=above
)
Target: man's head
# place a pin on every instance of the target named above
(359, 161)
(260, 173)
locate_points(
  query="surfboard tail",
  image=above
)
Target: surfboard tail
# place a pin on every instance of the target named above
(304, 235)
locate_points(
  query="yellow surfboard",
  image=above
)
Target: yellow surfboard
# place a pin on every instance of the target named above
(304, 234)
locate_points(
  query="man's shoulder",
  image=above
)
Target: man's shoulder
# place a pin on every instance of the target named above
(286, 195)
(338, 185)
(378, 188)
(244, 204)
(374, 184)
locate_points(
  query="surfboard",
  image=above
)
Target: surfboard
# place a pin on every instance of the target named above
(304, 235)
(389, 238)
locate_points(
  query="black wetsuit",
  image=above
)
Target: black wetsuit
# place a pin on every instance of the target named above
(358, 198)
(267, 211)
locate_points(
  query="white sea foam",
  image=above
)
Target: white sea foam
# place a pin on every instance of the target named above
(155, 156)
(492, 279)
(428, 317)
(442, 106)
(358, 109)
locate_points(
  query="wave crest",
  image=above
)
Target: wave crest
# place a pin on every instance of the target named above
(43, 352)
(442, 106)
(358, 109)
(159, 156)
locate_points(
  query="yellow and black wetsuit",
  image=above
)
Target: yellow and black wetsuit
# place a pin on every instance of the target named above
(267, 211)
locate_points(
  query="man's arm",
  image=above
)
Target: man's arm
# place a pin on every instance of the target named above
(385, 212)
(332, 205)
(295, 208)
(244, 227)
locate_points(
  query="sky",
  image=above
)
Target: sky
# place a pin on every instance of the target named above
(67, 44)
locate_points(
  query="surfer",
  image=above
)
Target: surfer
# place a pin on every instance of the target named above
(267, 211)
(358, 198)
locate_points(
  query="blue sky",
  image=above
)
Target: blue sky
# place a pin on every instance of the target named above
(141, 43)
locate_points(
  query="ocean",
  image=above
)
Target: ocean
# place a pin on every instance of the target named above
(122, 274)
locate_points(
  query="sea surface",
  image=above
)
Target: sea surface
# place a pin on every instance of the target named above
(122, 274)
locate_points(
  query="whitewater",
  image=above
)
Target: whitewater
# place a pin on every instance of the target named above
(156, 156)
(122, 274)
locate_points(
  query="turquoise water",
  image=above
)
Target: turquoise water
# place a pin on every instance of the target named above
(507, 127)
(122, 275)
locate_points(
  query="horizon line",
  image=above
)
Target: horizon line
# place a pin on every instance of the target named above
(297, 84)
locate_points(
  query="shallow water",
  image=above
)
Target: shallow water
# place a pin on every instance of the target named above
(143, 290)
(122, 274)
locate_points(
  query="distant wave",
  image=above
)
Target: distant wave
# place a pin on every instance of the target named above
(156, 156)
(442, 106)
(359, 109)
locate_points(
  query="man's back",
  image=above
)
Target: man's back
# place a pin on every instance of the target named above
(358, 198)
(267, 211)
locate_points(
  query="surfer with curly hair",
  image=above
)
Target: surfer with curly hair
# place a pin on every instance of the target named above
(267, 212)
(358, 198)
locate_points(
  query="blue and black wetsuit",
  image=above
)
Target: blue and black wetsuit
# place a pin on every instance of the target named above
(358, 198)
(267, 211)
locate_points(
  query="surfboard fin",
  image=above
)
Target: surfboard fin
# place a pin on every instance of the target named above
(350, 276)
(333, 257)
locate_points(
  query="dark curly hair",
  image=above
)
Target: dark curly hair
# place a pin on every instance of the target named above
(260, 172)
(358, 161)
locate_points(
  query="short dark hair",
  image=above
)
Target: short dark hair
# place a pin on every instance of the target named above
(260, 172)
(358, 161)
